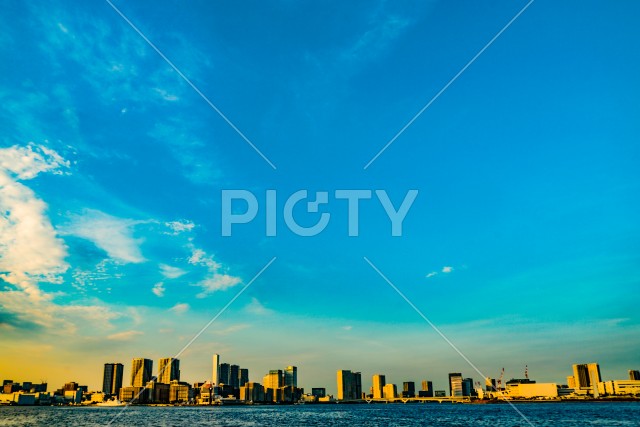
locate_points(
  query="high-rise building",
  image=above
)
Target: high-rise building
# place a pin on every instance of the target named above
(427, 389)
(244, 376)
(274, 379)
(234, 376)
(168, 370)
(319, 391)
(349, 385)
(141, 372)
(379, 382)
(455, 384)
(112, 378)
(291, 376)
(389, 391)
(408, 389)
(634, 375)
(467, 387)
(215, 374)
(586, 375)
(571, 381)
(225, 369)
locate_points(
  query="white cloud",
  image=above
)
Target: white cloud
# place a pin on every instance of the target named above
(178, 227)
(124, 336)
(158, 289)
(27, 162)
(347, 327)
(165, 95)
(216, 280)
(180, 308)
(447, 269)
(257, 308)
(429, 275)
(112, 234)
(230, 329)
(171, 272)
(29, 245)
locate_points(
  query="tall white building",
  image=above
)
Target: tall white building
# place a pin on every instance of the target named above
(215, 375)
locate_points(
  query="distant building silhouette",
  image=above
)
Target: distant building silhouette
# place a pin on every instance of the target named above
(112, 378)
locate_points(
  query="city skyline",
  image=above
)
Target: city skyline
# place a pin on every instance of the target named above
(520, 248)
(348, 384)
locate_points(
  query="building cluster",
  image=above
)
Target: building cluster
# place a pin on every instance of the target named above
(584, 383)
(230, 384)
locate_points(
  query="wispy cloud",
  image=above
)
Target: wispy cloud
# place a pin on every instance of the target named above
(180, 308)
(171, 272)
(112, 234)
(177, 227)
(124, 336)
(257, 308)
(216, 279)
(447, 269)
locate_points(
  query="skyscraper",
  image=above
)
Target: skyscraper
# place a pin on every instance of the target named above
(273, 379)
(141, 370)
(455, 384)
(112, 378)
(223, 378)
(408, 389)
(291, 376)
(349, 385)
(634, 375)
(215, 375)
(168, 370)
(379, 381)
(234, 376)
(244, 376)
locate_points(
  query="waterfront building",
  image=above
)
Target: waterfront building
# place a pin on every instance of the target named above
(408, 389)
(634, 375)
(349, 385)
(291, 376)
(244, 377)
(112, 378)
(274, 379)
(141, 370)
(427, 389)
(586, 375)
(319, 391)
(168, 370)
(389, 391)
(234, 376)
(455, 384)
(225, 369)
(379, 381)
(215, 374)
(531, 390)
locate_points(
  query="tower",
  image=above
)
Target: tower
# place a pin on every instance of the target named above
(215, 375)
(112, 378)
(168, 370)
(141, 370)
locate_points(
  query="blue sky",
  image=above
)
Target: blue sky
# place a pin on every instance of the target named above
(522, 244)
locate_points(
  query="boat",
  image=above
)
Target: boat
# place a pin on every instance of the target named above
(113, 402)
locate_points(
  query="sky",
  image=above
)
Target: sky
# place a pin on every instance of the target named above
(521, 247)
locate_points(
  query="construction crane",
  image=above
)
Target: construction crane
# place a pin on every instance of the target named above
(499, 381)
